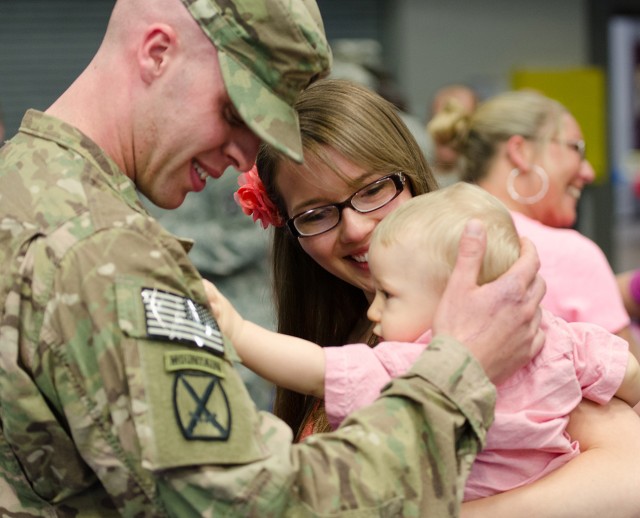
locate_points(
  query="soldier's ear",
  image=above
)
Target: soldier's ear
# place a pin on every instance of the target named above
(155, 51)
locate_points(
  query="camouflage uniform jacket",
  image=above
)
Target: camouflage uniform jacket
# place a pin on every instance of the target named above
(116, 396)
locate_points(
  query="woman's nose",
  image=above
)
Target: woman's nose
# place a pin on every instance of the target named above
(355, 226)
(587, 173)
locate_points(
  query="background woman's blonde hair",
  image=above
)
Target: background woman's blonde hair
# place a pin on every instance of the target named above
(433, 223)
(525, 112)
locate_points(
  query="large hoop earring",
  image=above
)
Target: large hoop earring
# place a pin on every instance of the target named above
(528, 200)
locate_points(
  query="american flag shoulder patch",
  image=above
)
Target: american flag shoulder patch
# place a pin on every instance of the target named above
(175, 318)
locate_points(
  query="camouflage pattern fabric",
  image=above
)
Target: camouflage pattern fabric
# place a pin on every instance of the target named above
(116, 396)
(269, 51)
(232, 251)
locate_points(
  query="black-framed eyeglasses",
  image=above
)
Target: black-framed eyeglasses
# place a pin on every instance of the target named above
(577, 145)
(371, 197)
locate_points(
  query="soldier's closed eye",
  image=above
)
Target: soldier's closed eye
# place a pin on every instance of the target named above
(232, 116)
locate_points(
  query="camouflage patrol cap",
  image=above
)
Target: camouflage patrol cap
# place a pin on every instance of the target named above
(269, 51)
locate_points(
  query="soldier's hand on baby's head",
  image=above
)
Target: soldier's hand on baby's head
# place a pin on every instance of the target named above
(499, 321)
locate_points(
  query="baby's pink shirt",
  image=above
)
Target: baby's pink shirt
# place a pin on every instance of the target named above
(356, 373)
(527, 439)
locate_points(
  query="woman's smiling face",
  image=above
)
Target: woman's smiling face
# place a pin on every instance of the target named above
(568, 173)
(343, 250)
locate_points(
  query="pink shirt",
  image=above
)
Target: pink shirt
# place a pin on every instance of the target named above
(581, 286)
(527, 439)
(356, 373)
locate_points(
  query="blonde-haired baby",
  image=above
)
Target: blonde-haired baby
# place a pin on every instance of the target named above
(412, 254)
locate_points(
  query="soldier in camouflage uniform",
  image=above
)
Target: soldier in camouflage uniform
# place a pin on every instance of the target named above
(117, 393)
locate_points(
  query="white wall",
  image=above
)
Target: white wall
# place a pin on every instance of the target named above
(435, 42)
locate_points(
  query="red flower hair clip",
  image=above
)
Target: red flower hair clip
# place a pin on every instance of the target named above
(253, 200)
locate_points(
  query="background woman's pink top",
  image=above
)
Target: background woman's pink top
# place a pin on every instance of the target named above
(581, 286)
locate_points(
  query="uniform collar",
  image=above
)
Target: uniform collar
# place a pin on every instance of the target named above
(47, 127)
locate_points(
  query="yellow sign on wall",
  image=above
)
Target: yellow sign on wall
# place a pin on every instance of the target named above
(583, 92)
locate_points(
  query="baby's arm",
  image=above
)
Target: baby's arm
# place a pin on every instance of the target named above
(629, 390)
(286, 361)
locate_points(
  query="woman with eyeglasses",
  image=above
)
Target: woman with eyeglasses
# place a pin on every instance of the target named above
(361, 162)
(528, 151)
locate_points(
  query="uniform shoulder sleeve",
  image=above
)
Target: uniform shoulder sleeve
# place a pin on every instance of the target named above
(452, 370)
(356, 373)
(408, 453)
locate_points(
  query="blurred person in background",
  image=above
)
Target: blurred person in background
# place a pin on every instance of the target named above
(448, 101)
(528, 151)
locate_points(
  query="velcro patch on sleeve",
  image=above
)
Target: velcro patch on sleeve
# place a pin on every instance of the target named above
(175, 318)
(193, 360)
(201, 406)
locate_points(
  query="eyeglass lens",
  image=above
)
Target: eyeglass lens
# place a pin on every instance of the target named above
(371, 197)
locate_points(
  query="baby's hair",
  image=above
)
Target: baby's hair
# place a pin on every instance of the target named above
(434, 223)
